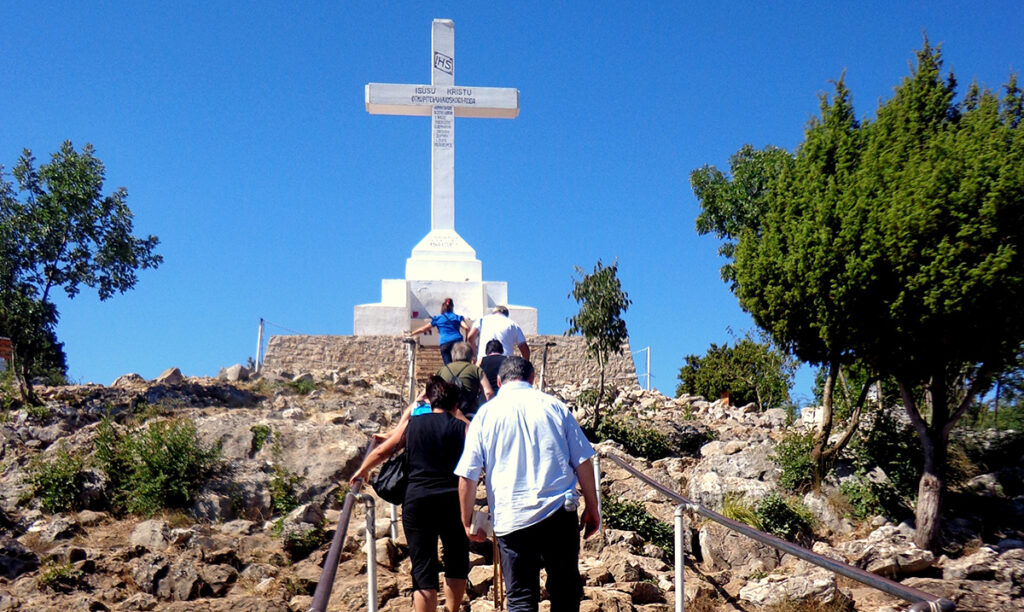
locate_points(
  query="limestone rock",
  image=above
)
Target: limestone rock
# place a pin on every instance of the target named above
(59, 527)
(724, 549)
(235, 373)
(645, 593)
(151, 535)
(218, 578)
(15, 558)
(181, 583)
(147, 571)
(138, 601)
(816, 584)
(609, 600)
(889, 551)
(238, 527)
(970, 594)
(480, 580)
(977, 566)
(1009, 568)
(827, 515)
(128, 380)
(91, 518)
(170, 376)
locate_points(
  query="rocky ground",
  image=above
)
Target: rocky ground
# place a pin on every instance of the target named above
(231, 550)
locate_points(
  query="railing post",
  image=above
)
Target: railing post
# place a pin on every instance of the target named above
(371, 553)
(410, 345)
(924, 602)
(544, 364)
(259, 347)
(679, 556)
(596, 462)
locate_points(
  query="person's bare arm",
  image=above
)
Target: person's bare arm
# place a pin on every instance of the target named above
(590, 522)
(457, 413)
(378, 454)
(380, 438)
(524, 350)
(485, 384)
(421, 330)
(467, 497)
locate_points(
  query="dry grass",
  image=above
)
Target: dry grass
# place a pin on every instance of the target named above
(839, 604)
(704, 601)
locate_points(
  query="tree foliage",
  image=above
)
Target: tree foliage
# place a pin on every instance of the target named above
(749, 371)
(61, 232)
(896, 243)
(602, 303)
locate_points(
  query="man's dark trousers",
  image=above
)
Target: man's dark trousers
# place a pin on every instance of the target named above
(553, 544)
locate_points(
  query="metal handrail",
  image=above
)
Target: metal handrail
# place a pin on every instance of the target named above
(922, 602)
(322, 595)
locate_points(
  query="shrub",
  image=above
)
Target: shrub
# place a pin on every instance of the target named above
(793, 454)
(632, 516)
(637, 440)
(260, 434)
(299, 544)
(783, 517)
(284, 496)
(868, 498)
(57, 481)
(587, 398)
(892, 446)
(59, 577)
(40, 412)
(9, 397)
(154, 467)
(302, 386)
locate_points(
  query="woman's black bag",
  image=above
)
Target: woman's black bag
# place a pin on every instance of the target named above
(392, 478)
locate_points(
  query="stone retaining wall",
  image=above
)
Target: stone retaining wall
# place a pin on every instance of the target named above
(385, 357)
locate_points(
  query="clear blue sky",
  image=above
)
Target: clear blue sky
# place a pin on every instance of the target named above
(239, 130)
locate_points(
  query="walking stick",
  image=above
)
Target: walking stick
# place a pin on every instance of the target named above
(499, 583)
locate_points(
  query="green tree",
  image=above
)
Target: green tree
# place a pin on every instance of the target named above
(788, 266)
(749, 371)
(63, 233)
(898, 243)
(602, 303)
(734, 203)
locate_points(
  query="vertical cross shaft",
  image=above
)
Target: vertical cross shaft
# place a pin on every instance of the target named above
(442, 128)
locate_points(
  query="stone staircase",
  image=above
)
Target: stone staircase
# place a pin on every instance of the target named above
(428, 362)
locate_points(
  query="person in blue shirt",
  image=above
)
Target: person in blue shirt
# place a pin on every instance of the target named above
(449, 325)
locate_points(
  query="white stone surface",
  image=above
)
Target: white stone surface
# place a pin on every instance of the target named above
(442, 264)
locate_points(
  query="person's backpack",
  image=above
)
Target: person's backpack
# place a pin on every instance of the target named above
(467, 396)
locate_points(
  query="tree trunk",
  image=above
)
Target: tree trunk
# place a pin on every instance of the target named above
(21, 371)
(929, 490)
(935, 444)
(824, 429)
(600, 394)
(995, 403)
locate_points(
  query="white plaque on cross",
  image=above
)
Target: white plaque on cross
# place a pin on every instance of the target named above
(442, 100)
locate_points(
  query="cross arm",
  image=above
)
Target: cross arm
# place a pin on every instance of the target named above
(400, 99)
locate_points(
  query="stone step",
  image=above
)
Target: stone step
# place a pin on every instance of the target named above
(428, 362)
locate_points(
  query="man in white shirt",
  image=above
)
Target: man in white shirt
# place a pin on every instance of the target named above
(534, 453)
(497, 326)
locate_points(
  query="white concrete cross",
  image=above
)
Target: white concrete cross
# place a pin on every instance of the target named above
(443, 101)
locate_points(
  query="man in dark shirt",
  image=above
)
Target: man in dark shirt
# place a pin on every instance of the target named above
(495, 356)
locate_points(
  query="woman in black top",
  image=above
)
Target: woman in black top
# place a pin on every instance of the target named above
(434, 442)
